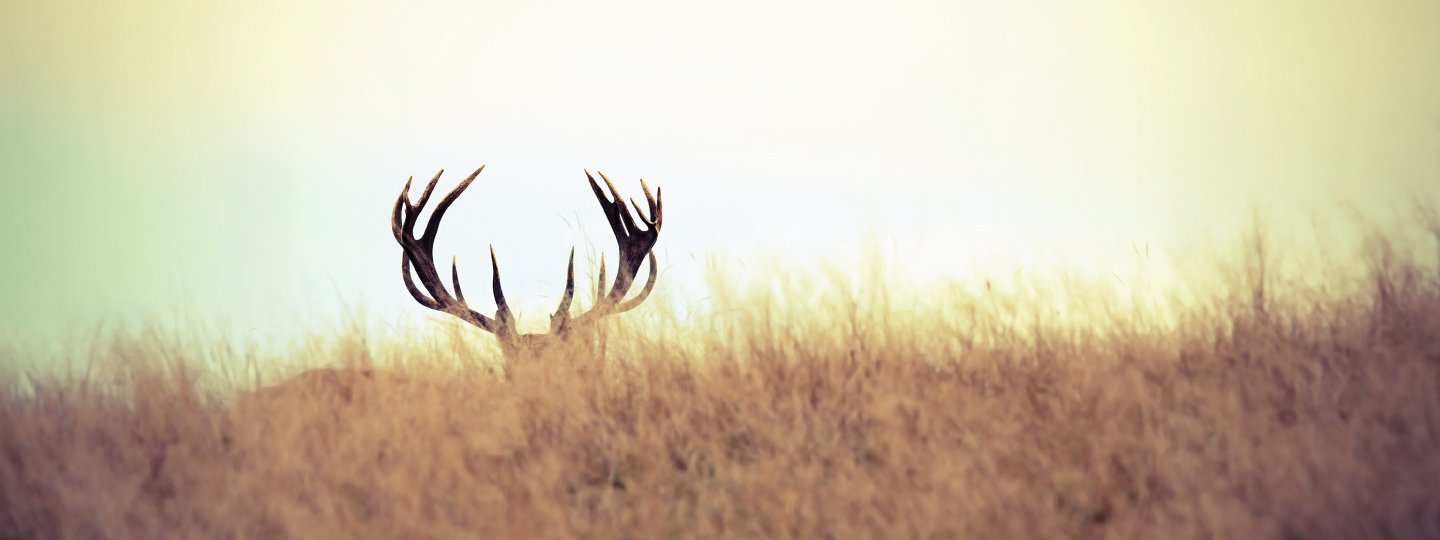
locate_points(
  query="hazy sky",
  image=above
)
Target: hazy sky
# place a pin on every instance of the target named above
(240, 159)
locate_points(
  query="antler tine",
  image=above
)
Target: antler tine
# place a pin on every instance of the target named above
(606, 206)
(650, 200)
(414, 214)
(620, 208)
(641, 214)
(430, 188)
(432, 226)
(569, 286)
(600, 284)
(502, 308)
(455, 280)
(560, 320)
(397, 218)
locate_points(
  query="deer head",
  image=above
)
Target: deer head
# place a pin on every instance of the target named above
(635, 247)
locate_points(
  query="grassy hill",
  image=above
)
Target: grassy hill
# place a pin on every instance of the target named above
(1263, 410)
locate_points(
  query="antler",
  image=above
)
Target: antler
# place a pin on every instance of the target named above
(419, 253)
(635, 245)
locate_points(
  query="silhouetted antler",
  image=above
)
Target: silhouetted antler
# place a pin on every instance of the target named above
(635, 245)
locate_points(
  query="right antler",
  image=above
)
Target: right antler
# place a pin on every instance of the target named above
(635, 245)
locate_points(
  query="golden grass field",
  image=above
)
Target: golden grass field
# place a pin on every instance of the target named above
(1267, 407)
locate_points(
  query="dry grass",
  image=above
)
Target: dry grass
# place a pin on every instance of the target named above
(1265, 411)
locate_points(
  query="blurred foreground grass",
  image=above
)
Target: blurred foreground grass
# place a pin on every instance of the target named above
(1267, 407)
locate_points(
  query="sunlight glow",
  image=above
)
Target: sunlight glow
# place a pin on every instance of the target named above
(240, 161)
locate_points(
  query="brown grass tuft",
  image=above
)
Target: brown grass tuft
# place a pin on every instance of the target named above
(959, 413)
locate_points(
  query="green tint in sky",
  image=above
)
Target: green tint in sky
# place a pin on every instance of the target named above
(240, 160)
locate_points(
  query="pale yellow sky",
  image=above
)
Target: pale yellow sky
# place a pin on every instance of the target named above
(241, 160)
